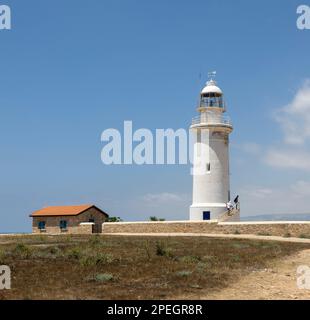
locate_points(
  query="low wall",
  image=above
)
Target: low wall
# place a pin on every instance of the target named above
(84, 228)
(274, 228)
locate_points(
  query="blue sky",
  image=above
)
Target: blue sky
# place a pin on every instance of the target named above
(71, 69)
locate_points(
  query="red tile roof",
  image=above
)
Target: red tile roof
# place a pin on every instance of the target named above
(63, 211)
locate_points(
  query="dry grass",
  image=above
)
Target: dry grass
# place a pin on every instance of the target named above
(106, 267)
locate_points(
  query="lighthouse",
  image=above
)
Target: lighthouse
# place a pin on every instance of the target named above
(211, 180)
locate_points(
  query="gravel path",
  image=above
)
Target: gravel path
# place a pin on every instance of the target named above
(231, 236)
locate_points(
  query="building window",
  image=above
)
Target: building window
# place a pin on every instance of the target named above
(41, 225)
(63, 225)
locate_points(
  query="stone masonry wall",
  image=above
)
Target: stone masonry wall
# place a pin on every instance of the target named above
(279, 228)
(73, 223)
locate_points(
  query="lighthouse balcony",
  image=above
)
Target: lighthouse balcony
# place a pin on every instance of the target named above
(206, 119)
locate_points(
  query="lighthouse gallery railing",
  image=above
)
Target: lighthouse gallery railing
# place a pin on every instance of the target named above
(210, 118)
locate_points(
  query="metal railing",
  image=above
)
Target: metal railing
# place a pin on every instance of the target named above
(212, 119)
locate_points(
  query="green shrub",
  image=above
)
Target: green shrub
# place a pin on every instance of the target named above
(153, 218)
(48, 253)
(240, 245)
(162, 250)
(304, 236)
(96, 259)
(114, 219)
(95, 241)
(68, 238)
(235, 257)
(55, 251)
(74, 253)
(190, 259)
(237, 232)
(209, 258)
(2, 256)
(104, 277)
(43, 238)
(202, 266)
(147, 248)
(23, 251)
(184, 273)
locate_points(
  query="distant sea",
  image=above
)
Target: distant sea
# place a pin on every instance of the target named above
(278, 217)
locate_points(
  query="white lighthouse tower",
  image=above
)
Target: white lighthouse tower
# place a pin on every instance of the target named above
(211, 186)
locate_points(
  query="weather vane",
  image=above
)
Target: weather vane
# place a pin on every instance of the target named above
(211, 75)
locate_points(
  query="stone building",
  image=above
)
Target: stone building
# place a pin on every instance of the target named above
(68, 219)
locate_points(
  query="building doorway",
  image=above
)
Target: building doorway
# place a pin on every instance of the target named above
(94, 227)
(206, 215)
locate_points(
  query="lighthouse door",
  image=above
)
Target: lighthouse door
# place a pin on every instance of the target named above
(206, 215)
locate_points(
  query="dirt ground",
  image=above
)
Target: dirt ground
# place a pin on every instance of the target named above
(278, 282)
(149, 267)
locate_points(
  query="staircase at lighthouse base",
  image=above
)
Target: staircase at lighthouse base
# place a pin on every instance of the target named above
(230, 216)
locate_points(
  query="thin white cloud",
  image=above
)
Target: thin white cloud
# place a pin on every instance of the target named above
(288, 159)
(259, 193)
(292, 154)
(251, 148)
(294, 118)
(301, 189)
(164, 197)
(257, 200)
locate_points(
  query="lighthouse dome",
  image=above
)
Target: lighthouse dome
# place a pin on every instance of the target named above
(211, 87)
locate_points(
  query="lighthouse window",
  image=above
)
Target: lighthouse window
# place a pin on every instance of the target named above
(208, 166)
